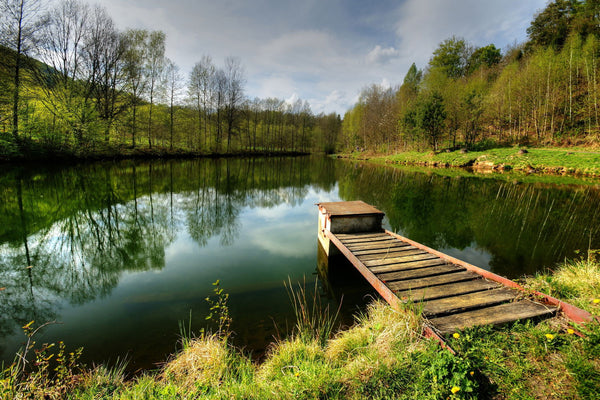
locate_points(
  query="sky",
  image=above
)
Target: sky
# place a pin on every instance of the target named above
(322, 51)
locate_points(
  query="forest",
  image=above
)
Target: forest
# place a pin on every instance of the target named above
(541, 92)
(72, 84)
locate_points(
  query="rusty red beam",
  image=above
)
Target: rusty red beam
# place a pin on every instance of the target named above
(576, 314)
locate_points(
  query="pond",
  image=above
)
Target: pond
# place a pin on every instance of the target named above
(120, 255)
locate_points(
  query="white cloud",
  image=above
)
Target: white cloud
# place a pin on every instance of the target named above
(380, 55)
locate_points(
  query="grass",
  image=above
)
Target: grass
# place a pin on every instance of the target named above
(559, 161)
(383, 355)
(577, 281)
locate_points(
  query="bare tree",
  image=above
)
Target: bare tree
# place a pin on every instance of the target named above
(172, 86)
(155, 62)
(66, 85)
(135, 80)
(199, 89)
(235, 81)
(20, 22)
(103, 58)
(219, 92)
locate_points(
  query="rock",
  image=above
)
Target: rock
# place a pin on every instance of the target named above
(464, 151)
(522, 151)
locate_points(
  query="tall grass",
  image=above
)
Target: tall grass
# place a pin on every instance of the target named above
(576, 281)
(313, 319)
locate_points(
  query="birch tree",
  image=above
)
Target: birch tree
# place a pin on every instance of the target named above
(153, 67)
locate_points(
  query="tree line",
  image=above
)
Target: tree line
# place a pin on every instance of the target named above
(542, 92)
(70, 81)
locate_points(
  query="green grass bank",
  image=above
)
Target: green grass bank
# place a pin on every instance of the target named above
(382, 356)
(558, 161)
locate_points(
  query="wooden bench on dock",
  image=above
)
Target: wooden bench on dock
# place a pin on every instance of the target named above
(452, 294)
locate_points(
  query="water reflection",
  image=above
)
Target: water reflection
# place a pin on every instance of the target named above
(509, 227)
(121, 252)
(68, 236)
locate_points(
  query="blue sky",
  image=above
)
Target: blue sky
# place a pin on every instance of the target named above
(322, 51)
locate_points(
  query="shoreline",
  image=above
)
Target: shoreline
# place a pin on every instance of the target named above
(543, 161)
(68, 158)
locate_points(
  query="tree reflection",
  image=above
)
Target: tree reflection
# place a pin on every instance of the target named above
(524, 227)
(81, 228)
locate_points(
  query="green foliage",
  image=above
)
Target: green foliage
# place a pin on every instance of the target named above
(47, 374)
(551, 26)
(452, 57)
(219, 310)
(487, 56)
(412, 79)
(430, 118)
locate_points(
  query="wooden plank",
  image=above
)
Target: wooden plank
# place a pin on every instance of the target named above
(432, 281)
(419, 273)
(465, 302)
(379, 245)
(408, 265)
(391, 253)
(367, 240)
(451, 289)
(383, 251)
(344, 236)
(398, 260)
(494, 315)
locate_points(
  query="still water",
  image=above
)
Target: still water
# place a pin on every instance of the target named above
(122, 253)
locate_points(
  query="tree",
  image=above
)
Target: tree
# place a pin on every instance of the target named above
(199, 89)
(103, 57)
(173, 85)
(412, 80)
(153, 67)
(67, 84)
(234, 75)
(20, 23)
(484, 56)
(452, 56)
(135, 54)
(330, 126)
(219, 92)
(430, 118)
(551, 26)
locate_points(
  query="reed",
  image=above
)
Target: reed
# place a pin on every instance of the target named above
(314, 320)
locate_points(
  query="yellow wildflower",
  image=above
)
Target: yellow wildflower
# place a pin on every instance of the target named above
(28, 325)
(596, 301)
(456, 336)
(549, 336)
(471, 373)
(455, 389)
(570, 331)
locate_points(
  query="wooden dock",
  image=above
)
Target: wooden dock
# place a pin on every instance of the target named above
(452, 294)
